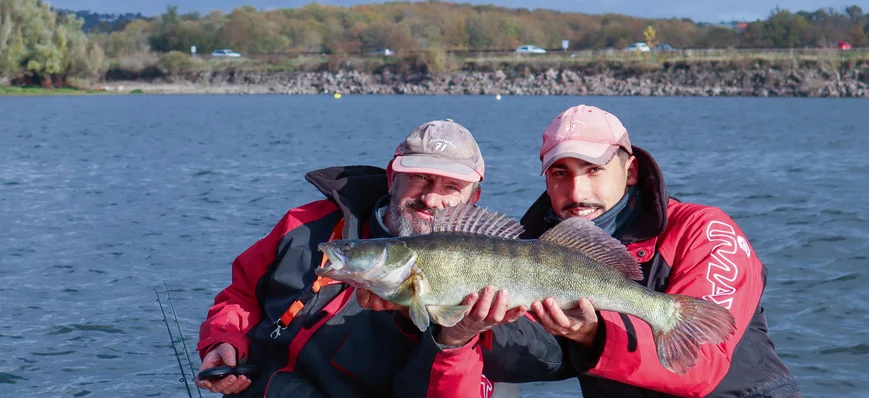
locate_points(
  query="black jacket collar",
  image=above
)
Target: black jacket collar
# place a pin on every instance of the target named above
(355, 189)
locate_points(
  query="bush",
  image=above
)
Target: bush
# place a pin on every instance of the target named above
(78, 83)
(437, 61)
(174, 62)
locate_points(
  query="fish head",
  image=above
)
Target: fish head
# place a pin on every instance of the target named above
(378, 265)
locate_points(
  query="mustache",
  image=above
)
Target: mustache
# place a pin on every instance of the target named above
(579, 205)
(419, 206)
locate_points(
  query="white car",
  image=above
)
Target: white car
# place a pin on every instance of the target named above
(639, 46)
(225, 53)
(529, 49)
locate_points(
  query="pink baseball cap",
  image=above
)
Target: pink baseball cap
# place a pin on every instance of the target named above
(583, 132)
(440, 147)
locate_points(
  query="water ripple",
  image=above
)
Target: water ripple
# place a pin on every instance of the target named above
(52, 354)
(860, 349)
(6, 378)
(86, 328)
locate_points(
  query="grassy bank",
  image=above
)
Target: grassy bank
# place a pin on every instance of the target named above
(31, 90)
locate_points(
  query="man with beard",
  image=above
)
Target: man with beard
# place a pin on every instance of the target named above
(308, 336)
(593, 171)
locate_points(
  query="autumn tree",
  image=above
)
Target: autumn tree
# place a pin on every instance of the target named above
(40, 47)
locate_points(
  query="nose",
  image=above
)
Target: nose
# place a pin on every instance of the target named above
(434, 200)
(578, 189)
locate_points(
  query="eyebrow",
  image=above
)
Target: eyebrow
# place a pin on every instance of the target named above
(453, 181)
(582, 164)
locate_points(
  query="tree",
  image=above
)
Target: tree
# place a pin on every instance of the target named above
(38, 46)
(249, 31)
(857, 37)
(132, 40)
(166, 37)
(854, 12)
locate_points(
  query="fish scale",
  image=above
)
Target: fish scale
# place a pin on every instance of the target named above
(528, 270)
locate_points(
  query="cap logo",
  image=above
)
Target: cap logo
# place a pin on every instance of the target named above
(440, 144)
(573, 125)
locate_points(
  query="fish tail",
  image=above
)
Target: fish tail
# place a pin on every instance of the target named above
(696, 322)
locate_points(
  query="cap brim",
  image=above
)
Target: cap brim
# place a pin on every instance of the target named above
(591, 152)
(433, 165)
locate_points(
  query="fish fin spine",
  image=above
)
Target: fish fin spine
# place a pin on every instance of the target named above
(585, 237)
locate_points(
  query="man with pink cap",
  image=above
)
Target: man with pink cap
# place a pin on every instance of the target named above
(306, 337)
(593, 171)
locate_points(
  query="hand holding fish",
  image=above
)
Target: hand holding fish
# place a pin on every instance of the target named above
(371, 301)
(578, 324)
(487, 310)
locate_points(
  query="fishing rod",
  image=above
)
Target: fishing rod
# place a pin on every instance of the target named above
(183, 341)
(175, 349)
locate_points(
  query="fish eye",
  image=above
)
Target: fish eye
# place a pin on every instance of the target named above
(346, 247)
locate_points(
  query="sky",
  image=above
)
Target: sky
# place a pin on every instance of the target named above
(698, 10)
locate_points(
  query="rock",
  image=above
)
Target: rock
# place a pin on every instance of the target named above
(694, 81)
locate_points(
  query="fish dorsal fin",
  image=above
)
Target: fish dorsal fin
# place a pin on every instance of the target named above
(475, 220)
(583, 236)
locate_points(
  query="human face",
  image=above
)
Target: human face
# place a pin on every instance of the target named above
(577, 188)
(416, 196)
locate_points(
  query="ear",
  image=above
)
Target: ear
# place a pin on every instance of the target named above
(390, 177)
(633, 170)
(476, 195)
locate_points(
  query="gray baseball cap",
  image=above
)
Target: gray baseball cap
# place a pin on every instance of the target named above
(440, 147)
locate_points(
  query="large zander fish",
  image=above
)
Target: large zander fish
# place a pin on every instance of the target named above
(471, 248)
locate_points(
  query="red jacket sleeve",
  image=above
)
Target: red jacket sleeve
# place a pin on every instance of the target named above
(235, 310)
(518, 352)
(710, 258)
(435, 372)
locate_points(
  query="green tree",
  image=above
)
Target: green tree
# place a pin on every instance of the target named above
(167, 36)
(38, 46)
(249, 31)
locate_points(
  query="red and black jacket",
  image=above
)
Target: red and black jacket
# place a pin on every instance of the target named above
(332, 347)
(686, 249)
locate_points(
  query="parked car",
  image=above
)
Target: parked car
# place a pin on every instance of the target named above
(844, 45)
(382, 51)
(638, 46)
(529, 49)
(664, 47)
(225, 53)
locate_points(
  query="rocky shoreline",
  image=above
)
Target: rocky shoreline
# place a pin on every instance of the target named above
(670, 80)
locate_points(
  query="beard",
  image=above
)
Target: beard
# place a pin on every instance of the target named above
(406, 219)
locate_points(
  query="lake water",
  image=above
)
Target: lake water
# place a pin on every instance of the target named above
(102, 198)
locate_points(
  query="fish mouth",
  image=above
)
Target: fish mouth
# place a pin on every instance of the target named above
(334, 260)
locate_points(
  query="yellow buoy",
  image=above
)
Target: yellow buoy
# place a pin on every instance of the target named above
(337, 95)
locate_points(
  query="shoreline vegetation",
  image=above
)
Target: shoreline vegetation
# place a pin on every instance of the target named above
(707, 73)
(436, 48)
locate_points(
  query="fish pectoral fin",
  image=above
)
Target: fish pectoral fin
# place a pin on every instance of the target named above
(447, 315)
(419, 315)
